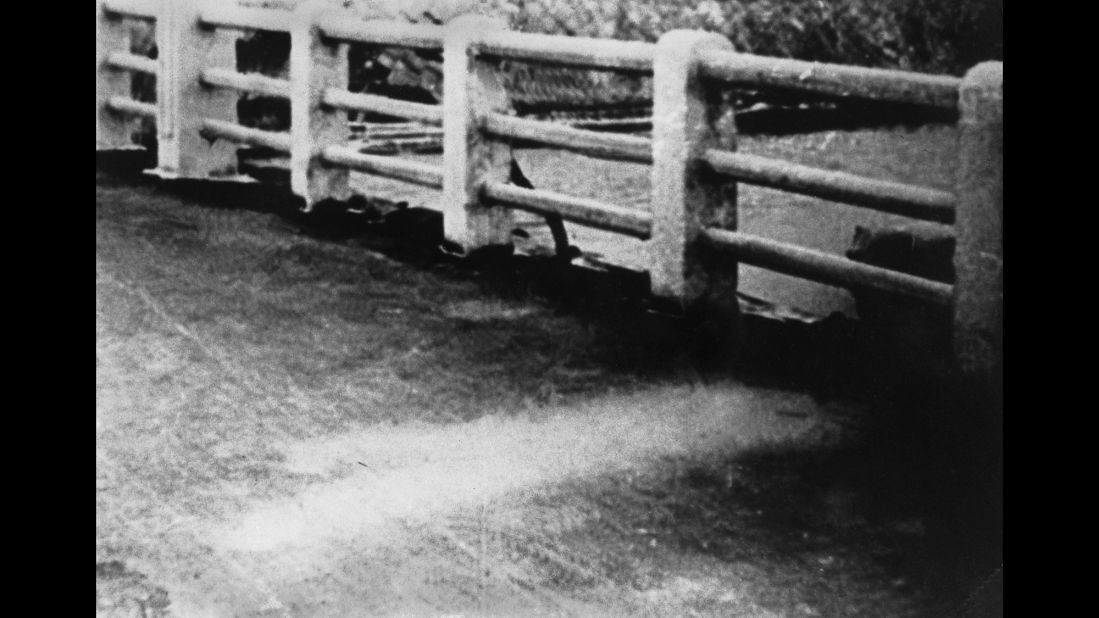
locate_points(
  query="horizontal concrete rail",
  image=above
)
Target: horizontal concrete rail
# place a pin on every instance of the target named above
(144, 9)
(244, 135)
(408, 171)
(823, 267)
(592, 143)
(347, 27)
(882, 195)
(132, 62)
(221, 14)
(402, 130)
(831, 79)
(126, 105)
(590, 213)
(579, 52)
(247, 82)
(343, 99)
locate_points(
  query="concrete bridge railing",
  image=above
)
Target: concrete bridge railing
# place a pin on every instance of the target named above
(694, 245)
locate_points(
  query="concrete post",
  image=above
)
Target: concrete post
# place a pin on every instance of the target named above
(471, 90)
(186, 48)
(113, 131)
(315, 64)
(979, 224)
(688, 119)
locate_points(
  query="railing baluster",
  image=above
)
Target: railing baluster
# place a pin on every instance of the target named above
(471, 90)
(112, 130)
(979, 256)
(315, 65)
(186, 48)
(688, 119)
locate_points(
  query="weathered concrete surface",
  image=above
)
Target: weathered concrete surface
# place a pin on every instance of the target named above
(315, 64)
(979, 293)
(185, 49)
(688, 119)
(112, 131)
(471, 89)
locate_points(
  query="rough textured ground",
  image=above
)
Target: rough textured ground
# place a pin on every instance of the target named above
(299, 419)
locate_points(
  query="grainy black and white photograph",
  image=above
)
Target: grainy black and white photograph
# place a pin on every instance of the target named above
(523, 308)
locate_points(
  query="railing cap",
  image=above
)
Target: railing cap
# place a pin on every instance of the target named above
(989, 73)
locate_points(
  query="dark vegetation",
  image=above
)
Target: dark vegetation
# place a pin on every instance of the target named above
(934, 36)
